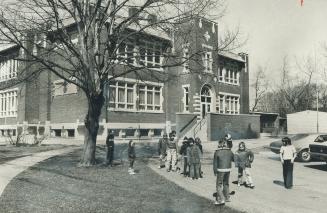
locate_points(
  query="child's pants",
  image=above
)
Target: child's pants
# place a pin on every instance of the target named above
(194, 170)
(247, 175)
(222, 186)
(171, 159)
(162, 159)
(131, 163)
(185, 166)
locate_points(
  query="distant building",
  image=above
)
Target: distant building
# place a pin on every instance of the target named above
(308, 121)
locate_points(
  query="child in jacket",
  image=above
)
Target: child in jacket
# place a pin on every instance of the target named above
(243, 159)
(222, 165)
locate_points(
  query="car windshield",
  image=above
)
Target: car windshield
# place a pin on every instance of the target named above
(321, 138)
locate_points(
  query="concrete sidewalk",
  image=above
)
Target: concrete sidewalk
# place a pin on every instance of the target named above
(206, 186)
(12, 168)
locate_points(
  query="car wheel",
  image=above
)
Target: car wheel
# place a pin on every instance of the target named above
(304, 155)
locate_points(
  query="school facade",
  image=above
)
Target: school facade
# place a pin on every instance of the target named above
(207, 96)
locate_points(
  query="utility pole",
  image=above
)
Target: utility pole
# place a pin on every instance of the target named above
(317, 110)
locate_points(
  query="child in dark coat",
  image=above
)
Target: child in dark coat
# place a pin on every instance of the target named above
(243, 159)
(131, 157)
(110, 148)
(194, 159)
(198, 143)
(183, 152)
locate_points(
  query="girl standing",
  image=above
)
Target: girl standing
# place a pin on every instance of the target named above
(287, 156)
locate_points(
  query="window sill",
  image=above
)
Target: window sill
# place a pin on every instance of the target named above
(12, 116)
(232, 84)
(133, 110)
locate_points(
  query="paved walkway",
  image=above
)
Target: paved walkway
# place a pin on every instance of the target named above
(207, 186)
(12, 168)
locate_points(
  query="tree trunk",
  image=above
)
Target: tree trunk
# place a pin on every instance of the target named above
(95, 104)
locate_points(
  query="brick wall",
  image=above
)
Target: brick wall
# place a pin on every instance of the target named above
(68, 108)
(239, 126)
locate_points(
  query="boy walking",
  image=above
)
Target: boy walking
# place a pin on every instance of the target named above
(243, 159)
(222, 165)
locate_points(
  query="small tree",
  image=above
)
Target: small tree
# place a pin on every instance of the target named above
(260, 86)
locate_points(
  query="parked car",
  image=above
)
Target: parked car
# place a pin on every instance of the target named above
(318, 149)
(301, 144)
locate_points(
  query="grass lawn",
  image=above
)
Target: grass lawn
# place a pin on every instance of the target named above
(57, 185)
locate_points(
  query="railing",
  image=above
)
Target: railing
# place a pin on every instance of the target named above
(199, 125)
(188, 124)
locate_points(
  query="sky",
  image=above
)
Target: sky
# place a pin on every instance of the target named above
(276, 28)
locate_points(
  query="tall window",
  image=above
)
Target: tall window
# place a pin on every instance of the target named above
(229, 104)
(207, 61)
(186, 98)
(123, 96)
(8, 103)
(8, 69)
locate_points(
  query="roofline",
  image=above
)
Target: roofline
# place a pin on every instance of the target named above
(267, 113)
(231, 55)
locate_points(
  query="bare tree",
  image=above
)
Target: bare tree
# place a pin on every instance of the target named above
(260, 87)
(296, 90)
(80, 41)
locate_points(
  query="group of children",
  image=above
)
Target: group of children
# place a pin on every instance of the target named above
(222, 165)
(190, 152)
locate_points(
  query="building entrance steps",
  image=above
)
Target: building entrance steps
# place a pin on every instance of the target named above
(12, 168)
(199, 129)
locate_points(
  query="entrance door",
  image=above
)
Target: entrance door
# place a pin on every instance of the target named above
(205, 100)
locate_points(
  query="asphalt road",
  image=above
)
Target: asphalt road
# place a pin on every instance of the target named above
(308, 194)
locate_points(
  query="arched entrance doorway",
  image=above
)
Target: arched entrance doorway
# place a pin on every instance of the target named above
(206, 100)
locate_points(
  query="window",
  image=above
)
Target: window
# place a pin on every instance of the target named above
(186, 59)
(228, 104)
(8, 69)
(61, 87)
(8, 103)
(123, 96)
(126, 53)
(186, 98)
(207, 61)
(229, 74)
(150, 55)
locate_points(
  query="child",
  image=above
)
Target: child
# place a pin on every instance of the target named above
(183, 152)
(243, 159)
(222, 165)
(194, 159)
(131, 157)
(198, 143)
